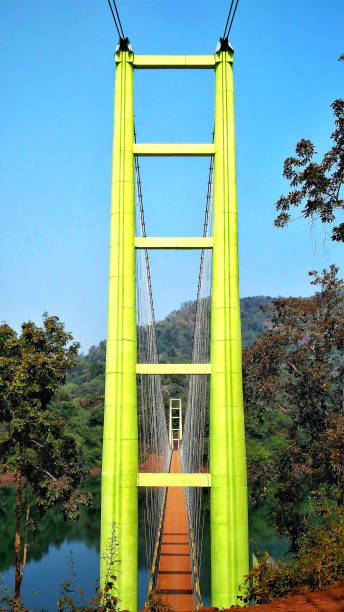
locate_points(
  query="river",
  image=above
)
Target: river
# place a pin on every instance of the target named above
(49, 558)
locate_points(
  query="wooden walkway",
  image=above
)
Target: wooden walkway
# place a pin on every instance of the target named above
(174, 583)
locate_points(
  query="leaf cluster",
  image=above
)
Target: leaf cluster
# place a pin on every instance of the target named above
(33, 439)
(316, 186)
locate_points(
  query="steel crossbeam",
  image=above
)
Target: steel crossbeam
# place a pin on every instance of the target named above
(173, 368)
(174, 149)
(178, 242)
(169, 479)
(174, 61)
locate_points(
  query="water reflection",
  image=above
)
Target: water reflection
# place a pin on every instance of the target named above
(48, 555)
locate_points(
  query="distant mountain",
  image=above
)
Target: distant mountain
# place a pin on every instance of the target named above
(81, 399)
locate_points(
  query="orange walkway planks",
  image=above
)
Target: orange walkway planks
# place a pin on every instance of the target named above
(174, 576)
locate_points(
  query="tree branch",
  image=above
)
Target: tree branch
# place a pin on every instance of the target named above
(281, 407)
(294, 368)
(25, 541)
(51, 476)
(38, 443)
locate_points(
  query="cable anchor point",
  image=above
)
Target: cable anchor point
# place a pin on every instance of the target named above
(224, 45)
(124, 45)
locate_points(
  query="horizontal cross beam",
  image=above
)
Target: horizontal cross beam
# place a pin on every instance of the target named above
(169, 479)
(174, 61)
(173, 243)
(174, 150)
(173, 368)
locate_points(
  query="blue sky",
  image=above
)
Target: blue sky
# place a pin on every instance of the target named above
(56, 92)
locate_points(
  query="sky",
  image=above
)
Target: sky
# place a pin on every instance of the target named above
(56, 100)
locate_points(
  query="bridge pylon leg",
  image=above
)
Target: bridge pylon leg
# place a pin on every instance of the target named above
(120, 450)
(229, 529)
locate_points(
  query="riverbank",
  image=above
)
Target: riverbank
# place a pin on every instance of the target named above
(328, 600)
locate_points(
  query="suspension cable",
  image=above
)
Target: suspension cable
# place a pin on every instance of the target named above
(117, 21)
(194, 450)
(118, 17)
(230, 25)
(230, 14)
(154, 448)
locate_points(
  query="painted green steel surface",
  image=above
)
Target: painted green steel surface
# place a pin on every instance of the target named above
(168, 479)
(173, 150)
(174, 61)
(229, 531)
(120, 445)
(173, 368)
(177, 242)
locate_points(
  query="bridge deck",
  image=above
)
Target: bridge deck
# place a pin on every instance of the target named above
(174, 576)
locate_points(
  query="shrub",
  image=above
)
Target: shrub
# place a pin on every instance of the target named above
(319, 561)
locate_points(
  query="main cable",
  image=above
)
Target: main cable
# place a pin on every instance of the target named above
(119, 21)
(118, 24)
(229, 14)
(114, 18)
(230, 25)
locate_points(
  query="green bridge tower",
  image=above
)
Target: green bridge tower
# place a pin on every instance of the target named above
(120, 478)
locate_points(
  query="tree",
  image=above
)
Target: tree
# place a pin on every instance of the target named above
(293, 388)
(316, 186)
(34, 446)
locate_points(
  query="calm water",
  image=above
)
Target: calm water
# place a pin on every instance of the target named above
(49, 556)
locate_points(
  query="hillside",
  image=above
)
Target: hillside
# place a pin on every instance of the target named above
(175, 332)
(80, 400)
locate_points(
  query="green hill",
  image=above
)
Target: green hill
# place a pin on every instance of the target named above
(175, 332)
(80, 401)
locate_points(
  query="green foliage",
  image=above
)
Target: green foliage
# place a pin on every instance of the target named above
(267, 581)
(175, 334)
(318, 564)
(317, 186)
(34, 447)
(321, 549)
(293, 382)
(34, 442)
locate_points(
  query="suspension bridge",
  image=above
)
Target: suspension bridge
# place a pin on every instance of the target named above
(172, 452)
